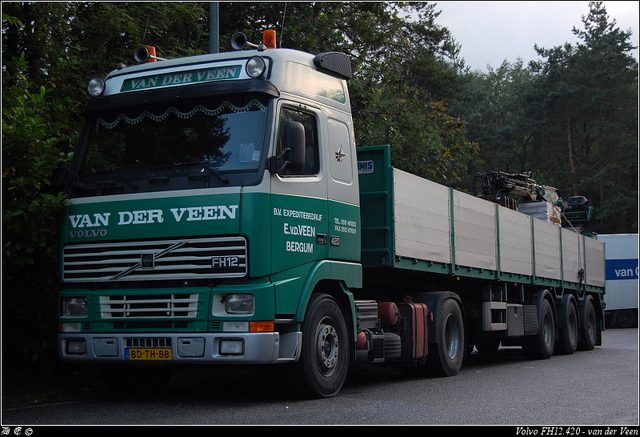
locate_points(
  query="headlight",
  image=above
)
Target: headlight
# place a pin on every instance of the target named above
(255, 66)
(95, 87)
(239, 304)
(74, 307)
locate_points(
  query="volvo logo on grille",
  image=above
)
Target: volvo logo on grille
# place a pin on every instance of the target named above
(148, 260)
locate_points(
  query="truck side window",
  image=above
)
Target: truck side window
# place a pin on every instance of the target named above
(312, 162)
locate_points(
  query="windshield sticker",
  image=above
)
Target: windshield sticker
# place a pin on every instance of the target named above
(182, 78)
(226, 106)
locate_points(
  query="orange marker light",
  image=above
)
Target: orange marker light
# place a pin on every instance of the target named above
(266, 326)
(269, 39)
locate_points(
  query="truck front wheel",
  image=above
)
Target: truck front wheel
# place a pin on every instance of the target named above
(324, 360)
(445, 357)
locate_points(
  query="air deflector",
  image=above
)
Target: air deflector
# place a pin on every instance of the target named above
(334, 62)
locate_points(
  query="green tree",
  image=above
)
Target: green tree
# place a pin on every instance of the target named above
(30, 215)
(570, 118)
(493, 105)
(586, 107)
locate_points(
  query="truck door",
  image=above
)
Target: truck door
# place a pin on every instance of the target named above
(342, 185)
(298, 210)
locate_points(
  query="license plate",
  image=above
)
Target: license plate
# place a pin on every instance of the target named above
(147, 354)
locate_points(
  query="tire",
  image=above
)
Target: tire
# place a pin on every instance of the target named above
(625, 319)
(324, 360)
(568, 339)
(541, 345)
(590, 331)
(446, 356)
(392, 346)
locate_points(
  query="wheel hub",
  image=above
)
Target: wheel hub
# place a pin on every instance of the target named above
(452, 338)
(328, 346)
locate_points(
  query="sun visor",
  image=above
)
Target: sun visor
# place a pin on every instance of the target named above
(334, 62)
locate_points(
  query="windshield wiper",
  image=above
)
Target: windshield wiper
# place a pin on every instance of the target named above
(120, 175)
(211, 170)
(216, 173)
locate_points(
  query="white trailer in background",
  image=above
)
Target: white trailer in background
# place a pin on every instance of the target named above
(621, 264)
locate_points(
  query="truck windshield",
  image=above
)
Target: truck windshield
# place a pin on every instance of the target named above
(196, 141)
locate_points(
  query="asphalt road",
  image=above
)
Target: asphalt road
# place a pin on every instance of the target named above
(598, 387)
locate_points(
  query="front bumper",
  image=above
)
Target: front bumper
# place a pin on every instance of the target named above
(185, 348)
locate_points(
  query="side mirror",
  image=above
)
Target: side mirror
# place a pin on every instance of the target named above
(61, 174)
(293, 152)
(294, 139)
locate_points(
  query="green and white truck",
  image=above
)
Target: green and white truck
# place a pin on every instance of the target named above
(220, 213)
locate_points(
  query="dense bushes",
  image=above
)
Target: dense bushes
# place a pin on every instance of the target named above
(30, 215)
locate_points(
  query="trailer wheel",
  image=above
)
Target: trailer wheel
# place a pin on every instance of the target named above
(324, 360)
(568, 338)
(445, 357)
(589, 332)
(541, 345)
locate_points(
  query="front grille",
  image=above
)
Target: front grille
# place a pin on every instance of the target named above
(163, 305)
(203, 258)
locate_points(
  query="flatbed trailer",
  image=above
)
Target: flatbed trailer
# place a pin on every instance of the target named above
(498, 262)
